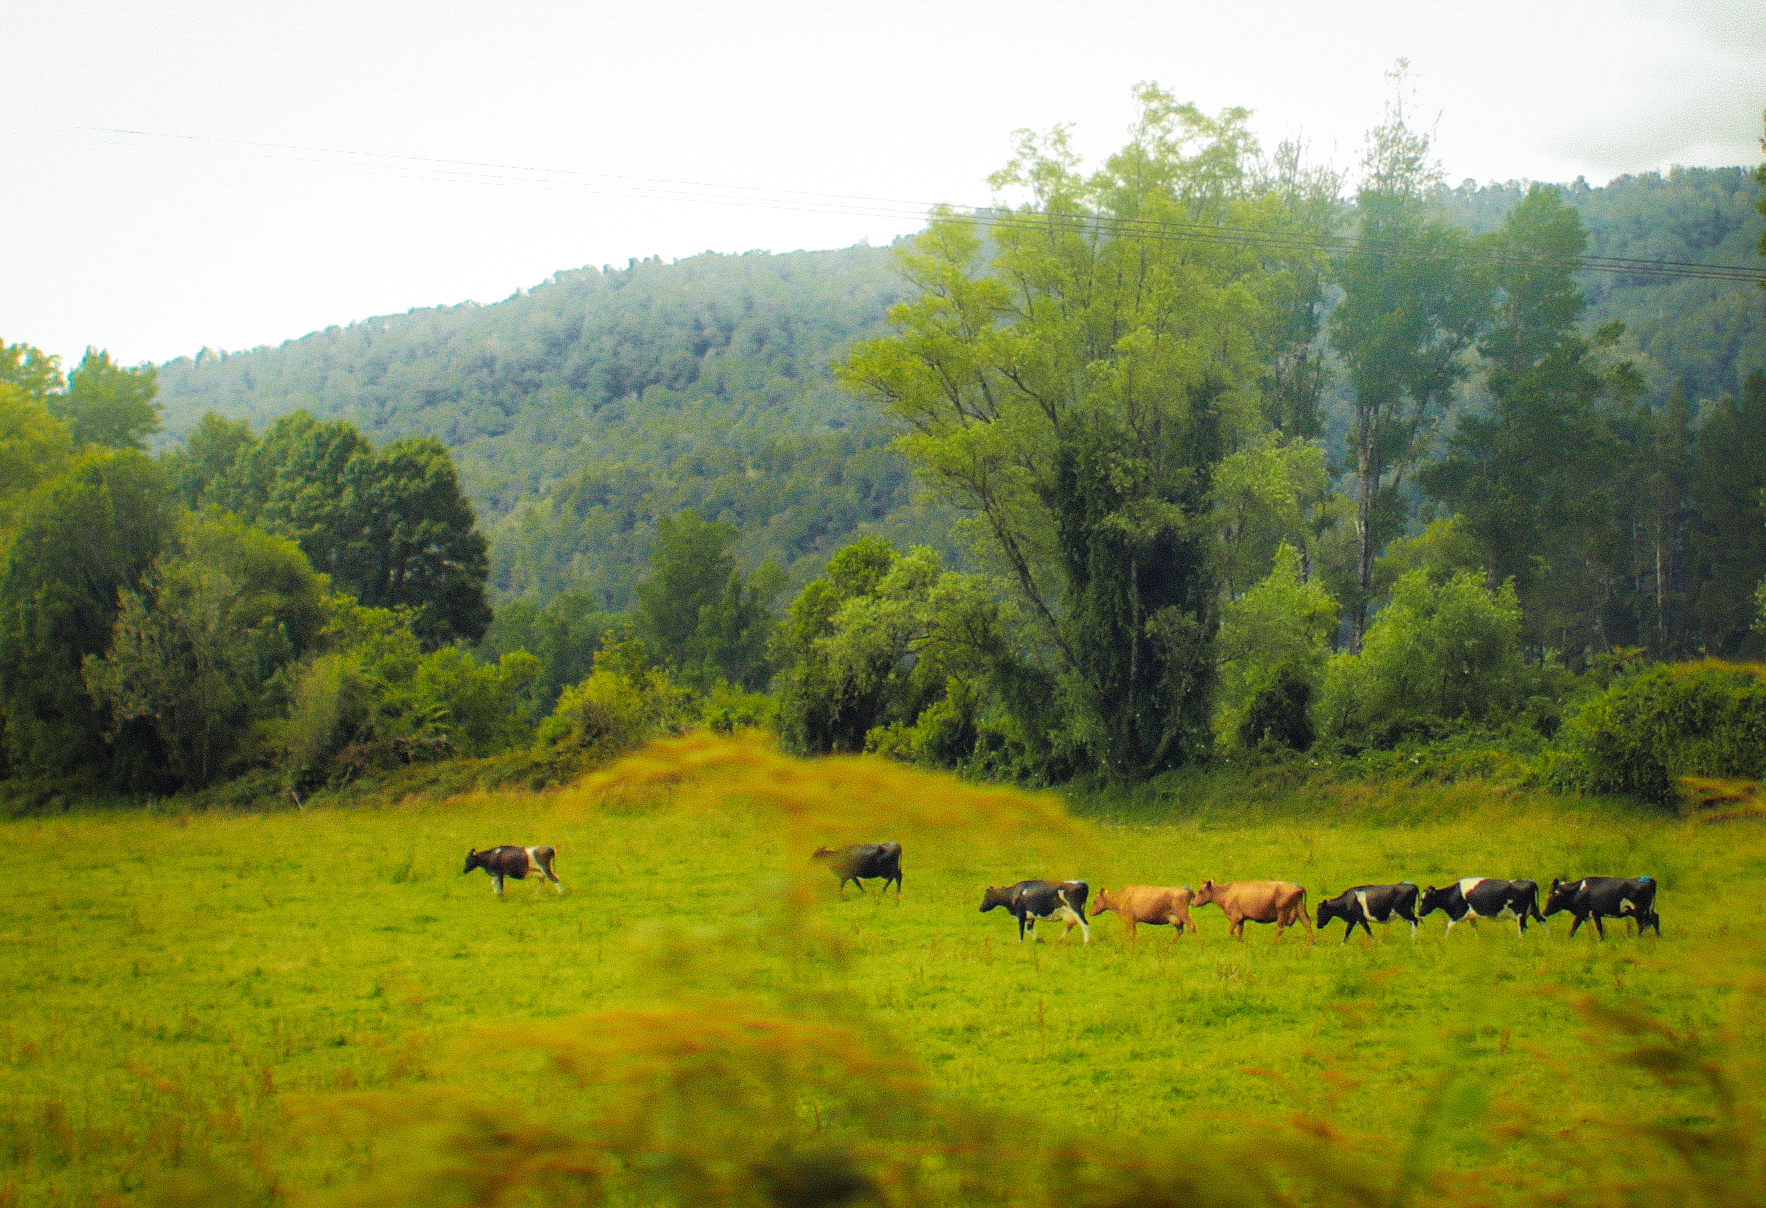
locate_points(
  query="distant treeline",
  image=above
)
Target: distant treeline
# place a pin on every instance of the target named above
(582, 411)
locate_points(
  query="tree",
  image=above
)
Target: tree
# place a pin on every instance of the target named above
(106, 404)
(391, 527)
(83, 538)
(1075, 390)
(1275, 636)
(200, 469)
(1533, 478)
(197, 645)
(1729, 530)
(1438, 653)
(411, 540)
(697, 613)
(1411, 307)
(34, 445)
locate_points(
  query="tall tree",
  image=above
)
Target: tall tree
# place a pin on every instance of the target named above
(106, 404)
(1729, 532)
(1412, 305)
(1532, 477)
(83, 538)
(1074, 391)
(196, 647)
(390, 526)
(696, 611)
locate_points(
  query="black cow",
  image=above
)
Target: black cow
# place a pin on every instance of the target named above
(1484, 898)
(1377, 902)
(1606, 897)
(1028, 901)
(514, 862)
(864, 860)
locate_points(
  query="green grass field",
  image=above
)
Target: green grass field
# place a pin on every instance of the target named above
(170, 987)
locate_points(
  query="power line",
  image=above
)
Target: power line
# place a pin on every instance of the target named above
(808, 201)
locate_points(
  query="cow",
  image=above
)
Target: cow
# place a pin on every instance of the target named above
(1381, 903)
(1483, 898)
(864, 860)
(1148, 904)
(1606, 897)
(1279, 902)
(514, 862)
(1028, 901)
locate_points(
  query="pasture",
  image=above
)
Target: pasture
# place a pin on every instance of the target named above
(174, 990)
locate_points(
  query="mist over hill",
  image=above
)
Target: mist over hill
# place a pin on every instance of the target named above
(582, 410)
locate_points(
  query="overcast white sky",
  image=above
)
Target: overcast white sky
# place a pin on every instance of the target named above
(157, 243)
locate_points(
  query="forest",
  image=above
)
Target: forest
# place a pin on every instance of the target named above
(1058, 492)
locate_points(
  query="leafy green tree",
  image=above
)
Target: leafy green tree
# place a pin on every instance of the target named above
(390, 526)
(83, 539)
(625, 702)
(1278, 630)
(1728, 537)
(1411, 306)
(698, 613)
(1074, 384)
(1438, 654)
(564, 635)
(412, 541)
(1532, 479)
(32, 370)
(1268, 494)
(197, 649)
(106, 404)
(203, 465)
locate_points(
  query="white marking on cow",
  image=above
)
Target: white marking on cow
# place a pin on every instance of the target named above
(1467, 884)
(1365, 912)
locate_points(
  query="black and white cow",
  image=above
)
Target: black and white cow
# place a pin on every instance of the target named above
(1483, 898)
(1606, 897)
(864, 860)
(1028, 901)
(1381, 903)
(514, 862)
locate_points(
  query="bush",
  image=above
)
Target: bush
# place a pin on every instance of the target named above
(1447, 652)
(624, 703)
(1685, 719)
(1281, 712)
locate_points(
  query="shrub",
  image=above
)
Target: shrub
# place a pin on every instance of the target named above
(1281, 712)
(1685, 719)
(1447, 652)
(623, 703)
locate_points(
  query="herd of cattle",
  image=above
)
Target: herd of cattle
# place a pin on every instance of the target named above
(1280, 902)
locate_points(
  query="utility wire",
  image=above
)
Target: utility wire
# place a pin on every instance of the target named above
(807, 201)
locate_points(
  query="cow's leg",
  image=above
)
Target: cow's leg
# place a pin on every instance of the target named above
(1576, 922)
(1600, 926)
(553, 877)
(497, 884)
(1364, 927)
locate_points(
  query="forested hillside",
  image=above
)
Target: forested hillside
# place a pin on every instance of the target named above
(581, 411)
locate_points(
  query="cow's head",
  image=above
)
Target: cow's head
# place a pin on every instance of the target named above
(995, 897)
(473, 860)
(1561, 895)
(1432, 900)
(1328, 910)
(1101, 903)
(1205, 894)
(823, 853)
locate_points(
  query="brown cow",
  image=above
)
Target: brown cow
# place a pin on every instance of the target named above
(1278, 902)
(1148, 904)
